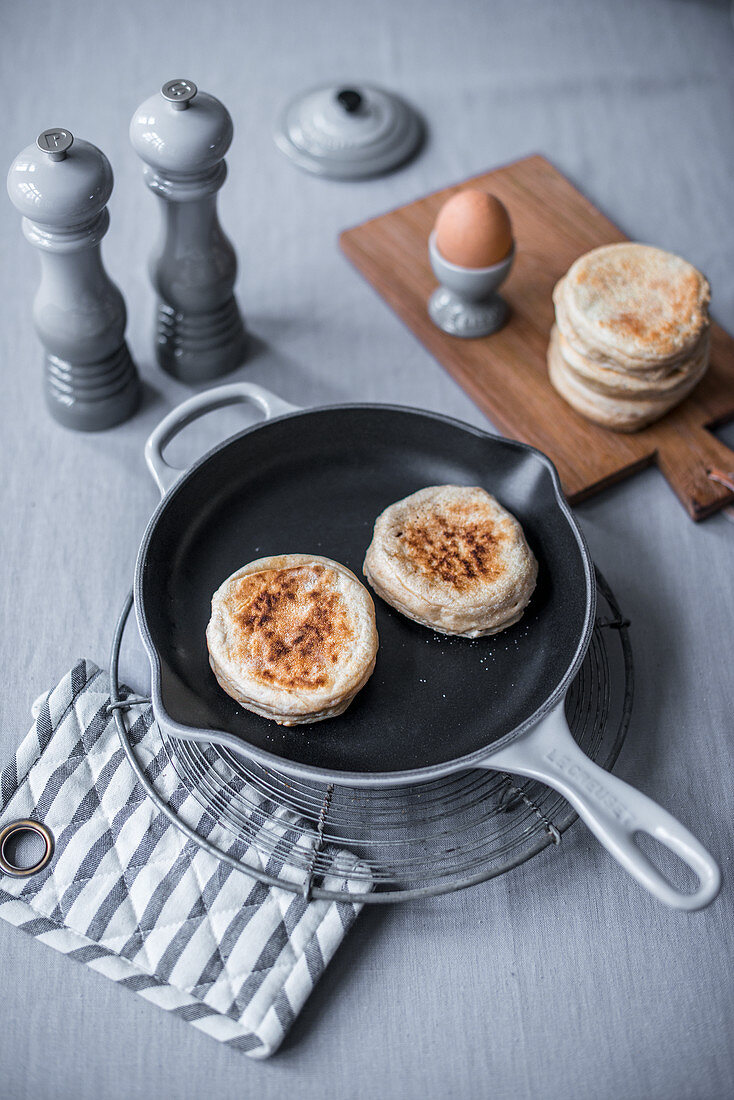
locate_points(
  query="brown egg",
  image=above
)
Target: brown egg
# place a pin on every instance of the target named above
(473, 230)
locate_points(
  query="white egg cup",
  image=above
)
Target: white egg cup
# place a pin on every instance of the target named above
(467, 304)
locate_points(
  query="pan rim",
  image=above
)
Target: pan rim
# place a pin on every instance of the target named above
(480, 758)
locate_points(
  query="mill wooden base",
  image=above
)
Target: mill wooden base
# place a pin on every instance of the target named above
(506, 375)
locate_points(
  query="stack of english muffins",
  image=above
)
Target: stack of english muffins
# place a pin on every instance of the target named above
(631, 337)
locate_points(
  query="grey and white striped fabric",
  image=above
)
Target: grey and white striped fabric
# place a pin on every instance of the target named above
(127, 893)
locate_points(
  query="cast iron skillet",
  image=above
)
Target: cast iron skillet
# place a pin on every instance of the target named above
(313, 482)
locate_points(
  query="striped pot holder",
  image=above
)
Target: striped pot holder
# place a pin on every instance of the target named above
(129, 895)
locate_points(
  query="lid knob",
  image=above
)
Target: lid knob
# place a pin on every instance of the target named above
(55, 143)
(348, 131)
(179, 93)
(350, 100)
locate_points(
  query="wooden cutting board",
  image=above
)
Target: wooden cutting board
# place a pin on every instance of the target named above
(505, 374)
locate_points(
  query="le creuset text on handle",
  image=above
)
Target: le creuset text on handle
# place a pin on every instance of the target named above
(613, 810)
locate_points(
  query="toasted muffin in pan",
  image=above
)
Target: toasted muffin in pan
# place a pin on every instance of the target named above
(292, 637)
(452, 558)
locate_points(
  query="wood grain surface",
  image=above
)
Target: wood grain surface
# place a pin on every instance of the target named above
(506, 375)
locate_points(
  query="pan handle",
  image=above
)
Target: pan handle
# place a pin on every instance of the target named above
(614, 811)
(201, 403)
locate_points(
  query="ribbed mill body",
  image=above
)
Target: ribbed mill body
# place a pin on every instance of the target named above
(182, 136)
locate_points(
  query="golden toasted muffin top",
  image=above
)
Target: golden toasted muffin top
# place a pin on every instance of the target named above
(455, 543)
(637, 300)
(292, 626)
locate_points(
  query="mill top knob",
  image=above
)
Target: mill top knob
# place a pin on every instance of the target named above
(60, 182)
(179, 93)
(181, 130)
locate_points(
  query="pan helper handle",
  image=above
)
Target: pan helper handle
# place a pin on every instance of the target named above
(614, 811)
(199, 405)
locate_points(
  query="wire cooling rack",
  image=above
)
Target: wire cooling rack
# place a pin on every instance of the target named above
(413, 841)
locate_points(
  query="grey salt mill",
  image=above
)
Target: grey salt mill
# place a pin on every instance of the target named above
(182, 135)
(61, 186)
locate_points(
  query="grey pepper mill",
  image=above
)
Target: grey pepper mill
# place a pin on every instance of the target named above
(182, 134)
(61, 187)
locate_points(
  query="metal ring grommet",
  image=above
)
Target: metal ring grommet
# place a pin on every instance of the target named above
(15, 828)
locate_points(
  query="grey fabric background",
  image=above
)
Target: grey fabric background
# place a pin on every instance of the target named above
(561, 979)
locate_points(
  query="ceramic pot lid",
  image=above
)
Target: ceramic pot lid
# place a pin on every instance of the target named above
(348, 131)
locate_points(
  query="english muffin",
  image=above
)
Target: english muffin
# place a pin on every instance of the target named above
(620, 414)
(292, 637)
(452, 558)
(631, 338)
(620, 383)
(636, 305)
(648, 369)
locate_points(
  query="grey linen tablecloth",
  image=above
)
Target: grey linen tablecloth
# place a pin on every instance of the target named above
(561, 979)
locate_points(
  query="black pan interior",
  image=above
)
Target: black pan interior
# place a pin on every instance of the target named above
(314, 483)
